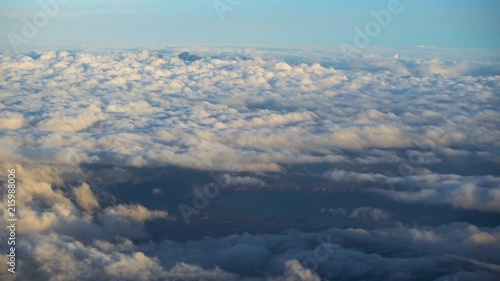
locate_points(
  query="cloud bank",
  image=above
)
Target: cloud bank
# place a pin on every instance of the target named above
(229, 113)
(434, 120)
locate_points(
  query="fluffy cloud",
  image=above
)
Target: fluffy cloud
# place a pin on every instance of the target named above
(85, 197)
(346, 176)
(469, 193)
(258, 113)
(67, 233)
(11, 120)
(47, 205)
(59, 122)
(241, 181)
(370, 213)
(138, 213)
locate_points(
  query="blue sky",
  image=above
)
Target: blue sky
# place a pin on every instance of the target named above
(439, 23)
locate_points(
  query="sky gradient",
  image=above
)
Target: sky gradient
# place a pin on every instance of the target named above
(442, 23)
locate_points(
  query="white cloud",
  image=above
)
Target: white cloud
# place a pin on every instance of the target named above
(85, 197)
(63, 242)
(11, 120)
(59, 122)
(242, 181)
(347, 176)
(256, 114)
(136, 212)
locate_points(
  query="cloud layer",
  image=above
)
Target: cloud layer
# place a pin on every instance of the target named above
(425, 129)
(62, 241)
(142, 109)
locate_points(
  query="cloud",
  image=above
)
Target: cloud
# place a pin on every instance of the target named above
(346, 176)
(359, 117)
(85, 197)
(11, 120)
(137, 212)
(69, 233)
(252, 114)
(57, 122)
(469, 193)
(48, 205)
(370, 213)
(241, 181)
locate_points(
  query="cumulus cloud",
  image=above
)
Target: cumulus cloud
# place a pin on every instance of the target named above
(85, 197)
(58, 121)
(11, 120)
(261, 112)
(241, 181)
(469, 193)
(47, 204)
(252, 114)
(86, 240)
(347, 176)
